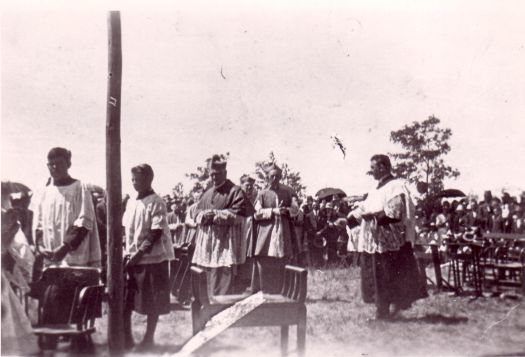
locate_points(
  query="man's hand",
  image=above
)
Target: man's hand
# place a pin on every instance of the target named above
(41, 250)
(59, 253)
(208, 217)
(135, 258)
(280, 211)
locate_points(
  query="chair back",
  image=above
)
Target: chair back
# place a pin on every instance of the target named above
(88, 306)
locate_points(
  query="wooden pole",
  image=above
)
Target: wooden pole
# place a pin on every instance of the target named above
(115, 279)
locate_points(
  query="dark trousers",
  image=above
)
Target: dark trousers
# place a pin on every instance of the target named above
(219, 280)
(268, 274)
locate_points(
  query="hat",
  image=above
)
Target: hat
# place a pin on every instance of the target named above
(247, 178)
(216, 162)
(272, 167)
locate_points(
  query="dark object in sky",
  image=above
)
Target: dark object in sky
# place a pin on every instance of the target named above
(329, 192)
(451, 192)
(338, 143)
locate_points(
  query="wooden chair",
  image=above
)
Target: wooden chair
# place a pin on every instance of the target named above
(284, 309)
(69, 299)
(508, 263)
(509, 269)
(180, 276)
(84, 310)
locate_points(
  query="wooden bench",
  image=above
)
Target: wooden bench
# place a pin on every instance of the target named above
(284, 309)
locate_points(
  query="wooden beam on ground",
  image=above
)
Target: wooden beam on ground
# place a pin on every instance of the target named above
(115, 281)
(221, 322)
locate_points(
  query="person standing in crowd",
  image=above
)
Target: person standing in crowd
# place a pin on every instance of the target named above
(17, 334)
(245, 267)
(149, 247)
(190, 226)
(66, 226)
(219, 217)
(20, 203)
(315, 221)
(485, 211)
(389, 272)
(299, 234)
(65, 231)
(275, 208)
(176, 224)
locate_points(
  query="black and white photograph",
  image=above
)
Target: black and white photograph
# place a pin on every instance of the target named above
(263, 178)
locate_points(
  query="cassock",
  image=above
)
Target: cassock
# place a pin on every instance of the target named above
(274, 237)
(218, 243)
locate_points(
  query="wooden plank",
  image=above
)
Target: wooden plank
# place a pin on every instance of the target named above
(114, 187)
(221, 322)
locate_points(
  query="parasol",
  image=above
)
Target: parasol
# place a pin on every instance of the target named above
(329, 192)
(451, 192)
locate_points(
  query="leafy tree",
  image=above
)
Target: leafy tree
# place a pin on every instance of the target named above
(422, 160)
(290, 178)
(178, 191)
(201, 178)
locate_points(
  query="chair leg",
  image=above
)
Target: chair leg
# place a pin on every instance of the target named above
(284, 340)
(301, 332)
(47, 342)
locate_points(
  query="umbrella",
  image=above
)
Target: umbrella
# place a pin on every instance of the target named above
(9, 187)
(329, 192)
(451, 192)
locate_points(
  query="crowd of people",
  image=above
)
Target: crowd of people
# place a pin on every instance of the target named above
(240, 236)
(465, 216)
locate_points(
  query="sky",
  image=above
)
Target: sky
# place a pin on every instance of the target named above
(269, 76)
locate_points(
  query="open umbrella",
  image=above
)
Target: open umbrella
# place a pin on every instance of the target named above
(451, 192)
(329, 192)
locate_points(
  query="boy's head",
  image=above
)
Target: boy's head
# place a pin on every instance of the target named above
(142, 177)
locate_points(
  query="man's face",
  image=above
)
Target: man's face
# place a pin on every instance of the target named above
(218, 176)
(197, 195)
(378, 170)
(274, 177)
(140, 182)
(247, 187)
(58, 167)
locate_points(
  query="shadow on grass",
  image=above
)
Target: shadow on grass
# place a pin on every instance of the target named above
(434, 319)
(326, 300)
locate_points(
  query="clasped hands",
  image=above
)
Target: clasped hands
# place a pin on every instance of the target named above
(281, 211)
(54, 255)
(208, 218)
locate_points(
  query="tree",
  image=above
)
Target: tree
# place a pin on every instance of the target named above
(201, 178)
(178, 191)
(425, 144)
(290, 178)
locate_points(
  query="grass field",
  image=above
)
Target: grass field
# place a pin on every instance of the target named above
(339, 324)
